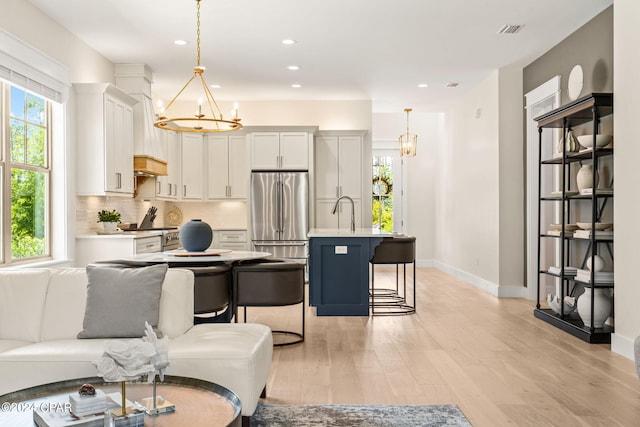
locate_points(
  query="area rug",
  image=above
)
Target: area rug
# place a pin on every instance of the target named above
(358, 416)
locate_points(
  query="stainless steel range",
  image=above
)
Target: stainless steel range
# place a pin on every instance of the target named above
(170, 240)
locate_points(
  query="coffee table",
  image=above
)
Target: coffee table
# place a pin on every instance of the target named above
(197, 402)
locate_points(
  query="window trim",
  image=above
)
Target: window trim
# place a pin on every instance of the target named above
(28, 67)
(7, 165)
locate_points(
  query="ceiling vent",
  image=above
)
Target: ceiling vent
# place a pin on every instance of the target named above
(510, 29)
(452, 84)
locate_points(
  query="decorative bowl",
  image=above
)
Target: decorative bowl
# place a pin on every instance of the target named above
(567, 227)
(598, 225)
(601, 140)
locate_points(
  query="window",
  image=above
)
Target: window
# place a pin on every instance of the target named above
(25, 167)
(382, 193)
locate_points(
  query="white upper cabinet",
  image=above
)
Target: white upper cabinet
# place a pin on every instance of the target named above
(280, 150)
(104, 131)
(338, 166)
(239, 171)
(167, 187)
(192, 156)
(340, 160)
(227, 167)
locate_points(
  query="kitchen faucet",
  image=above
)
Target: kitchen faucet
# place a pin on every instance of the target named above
(353, 211)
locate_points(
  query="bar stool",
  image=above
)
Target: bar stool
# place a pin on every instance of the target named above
(266, 284)
(393, 250)
(212, 298)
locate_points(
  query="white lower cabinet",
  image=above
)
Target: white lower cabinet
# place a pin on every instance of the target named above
(93, 248)
(233, 239)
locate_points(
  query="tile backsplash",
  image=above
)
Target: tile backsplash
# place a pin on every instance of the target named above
(219, 214)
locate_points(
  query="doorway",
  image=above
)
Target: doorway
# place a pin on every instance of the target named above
(540, 100)
(386, 191)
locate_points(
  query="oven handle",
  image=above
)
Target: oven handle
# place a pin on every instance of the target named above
(280, 244)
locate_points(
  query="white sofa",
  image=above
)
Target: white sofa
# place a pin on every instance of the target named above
(42, 311)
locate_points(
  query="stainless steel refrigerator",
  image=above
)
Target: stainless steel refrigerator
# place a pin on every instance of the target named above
(280, 213)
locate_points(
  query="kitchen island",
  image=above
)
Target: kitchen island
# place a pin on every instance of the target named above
(339, 270)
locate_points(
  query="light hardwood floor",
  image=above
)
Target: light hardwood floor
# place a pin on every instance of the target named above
(489, 356)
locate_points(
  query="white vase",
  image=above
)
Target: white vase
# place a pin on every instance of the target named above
(584, 178)
(598, 263)
(601, 307)
(110, 227)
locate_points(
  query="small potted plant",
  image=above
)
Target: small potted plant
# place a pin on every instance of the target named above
(109, 219)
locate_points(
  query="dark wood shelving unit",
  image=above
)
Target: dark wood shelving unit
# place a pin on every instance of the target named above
(584, 111)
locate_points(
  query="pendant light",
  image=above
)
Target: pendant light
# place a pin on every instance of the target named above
(203, 120)
(408, 141)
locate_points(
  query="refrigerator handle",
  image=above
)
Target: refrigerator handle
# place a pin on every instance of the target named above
(281, 225)
(278, 207)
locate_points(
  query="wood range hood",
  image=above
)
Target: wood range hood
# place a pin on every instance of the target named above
(145, 165)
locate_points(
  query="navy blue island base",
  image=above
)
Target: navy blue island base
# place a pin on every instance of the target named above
(339, 271)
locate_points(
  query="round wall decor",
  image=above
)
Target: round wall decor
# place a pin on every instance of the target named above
(576, 81)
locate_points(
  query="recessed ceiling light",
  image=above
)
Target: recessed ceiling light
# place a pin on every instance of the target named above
(296, 85)
(214, 86)
(289, 41)
(180, 42)
(293, 67)
(423, 85)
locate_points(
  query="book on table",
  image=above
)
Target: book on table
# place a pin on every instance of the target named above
(55, 412)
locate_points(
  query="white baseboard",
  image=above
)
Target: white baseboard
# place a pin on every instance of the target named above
(622, 345)
(480, 283)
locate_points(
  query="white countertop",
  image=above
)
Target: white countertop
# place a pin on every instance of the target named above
(345, 232)
(174, 257)
(123, 235)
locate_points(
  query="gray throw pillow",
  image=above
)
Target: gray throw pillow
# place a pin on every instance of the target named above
(120, 300)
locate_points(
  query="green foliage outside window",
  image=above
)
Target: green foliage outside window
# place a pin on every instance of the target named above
(29, 178)
(382, 186)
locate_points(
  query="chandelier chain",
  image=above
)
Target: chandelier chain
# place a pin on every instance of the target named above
(198, 33)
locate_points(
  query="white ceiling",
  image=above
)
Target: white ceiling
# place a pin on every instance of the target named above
(347, 49)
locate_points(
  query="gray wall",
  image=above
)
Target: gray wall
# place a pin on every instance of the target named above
(591, 47)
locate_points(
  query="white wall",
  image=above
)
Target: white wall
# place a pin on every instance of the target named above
(511, 180)
(421, 172)
(30, 25)
(626, 157)
(327, 115)
(479, 219)
(467, 232)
